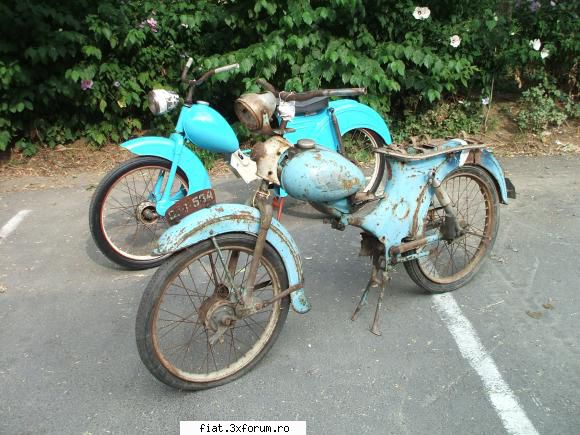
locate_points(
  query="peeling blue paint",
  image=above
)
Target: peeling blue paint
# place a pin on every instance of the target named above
(237, 218)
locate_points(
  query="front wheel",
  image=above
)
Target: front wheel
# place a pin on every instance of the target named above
(359, 146)
(452, 264)
(122, 216)
(189, 333)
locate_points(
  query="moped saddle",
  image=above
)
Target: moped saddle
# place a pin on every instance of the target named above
(312, 105)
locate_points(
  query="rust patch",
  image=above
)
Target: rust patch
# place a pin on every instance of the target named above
(348, 184)
(415, 226)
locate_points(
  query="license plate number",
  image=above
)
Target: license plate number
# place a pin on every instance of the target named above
(190, 204)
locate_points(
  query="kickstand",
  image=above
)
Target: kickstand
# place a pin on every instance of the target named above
(384, 281)
(379, 277)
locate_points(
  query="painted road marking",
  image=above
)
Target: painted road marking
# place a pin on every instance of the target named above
(513, 417)
(13, 223)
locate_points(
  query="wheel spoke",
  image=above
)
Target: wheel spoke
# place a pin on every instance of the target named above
(187, 318)
(449, 261)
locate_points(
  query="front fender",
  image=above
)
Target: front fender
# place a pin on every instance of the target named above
(173, 148)
(236, 218)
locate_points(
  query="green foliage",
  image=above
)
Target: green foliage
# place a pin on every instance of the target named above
(445, 119)
(545, 106)
(81, 68)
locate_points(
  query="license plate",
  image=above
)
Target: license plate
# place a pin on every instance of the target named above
(190, 204)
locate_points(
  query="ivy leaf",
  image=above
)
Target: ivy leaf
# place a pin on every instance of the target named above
(398, 67)
(433, 95)
(92, 51)
(102, 106)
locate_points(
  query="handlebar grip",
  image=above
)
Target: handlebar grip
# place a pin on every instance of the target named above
(186, 69)
(222, 69)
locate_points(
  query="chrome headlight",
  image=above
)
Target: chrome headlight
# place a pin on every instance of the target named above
(162, 101)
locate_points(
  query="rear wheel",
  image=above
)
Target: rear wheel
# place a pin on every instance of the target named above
(187, 300)
(452, 264)
(122, 217)
(358, 146)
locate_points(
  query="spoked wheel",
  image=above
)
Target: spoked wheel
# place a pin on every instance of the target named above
(358, 146)
(452, 264)
(188, 330)
(122, 216)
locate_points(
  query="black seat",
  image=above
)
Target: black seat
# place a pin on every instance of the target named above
(312, 105)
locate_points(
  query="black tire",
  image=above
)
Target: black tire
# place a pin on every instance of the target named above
(428, 272)
(358, 145)
(111, 233)
(186, 319)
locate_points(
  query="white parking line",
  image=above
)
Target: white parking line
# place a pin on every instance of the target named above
(13, 223)
(513, 417)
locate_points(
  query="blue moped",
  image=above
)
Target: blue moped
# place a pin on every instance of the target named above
(128, 211)
(213, 310)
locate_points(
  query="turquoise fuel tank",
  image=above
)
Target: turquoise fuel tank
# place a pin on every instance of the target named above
(207, 129)
(321, 175)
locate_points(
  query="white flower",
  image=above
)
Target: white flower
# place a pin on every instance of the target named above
(512, 33)
(421, 13)
(485, 101)
(495, 18)
(454, 41)
(184, 25)
(535, 44)
(544, 53)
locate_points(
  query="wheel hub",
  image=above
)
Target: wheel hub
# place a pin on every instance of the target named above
(146, 213)
(217, 311)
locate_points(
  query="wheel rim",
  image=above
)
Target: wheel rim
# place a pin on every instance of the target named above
(179, 330)
(472, 200)
(128, 218)
(359, 146)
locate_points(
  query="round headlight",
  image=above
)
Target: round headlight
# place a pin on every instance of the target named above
(162, 101)
(255, 110)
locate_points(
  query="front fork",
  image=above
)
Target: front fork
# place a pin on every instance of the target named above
(162, 197)
(246, 304)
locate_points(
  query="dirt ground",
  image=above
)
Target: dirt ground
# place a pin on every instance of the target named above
(503, 136)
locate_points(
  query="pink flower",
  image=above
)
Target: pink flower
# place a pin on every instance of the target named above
(152, 23)
(86, 84)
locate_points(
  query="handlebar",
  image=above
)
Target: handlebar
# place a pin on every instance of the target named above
(303, 96)
(268, 86)
(196, 82)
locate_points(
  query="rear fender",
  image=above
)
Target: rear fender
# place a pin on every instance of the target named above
(236, 218)
(351, 115)
(487, 161)
(171, 149)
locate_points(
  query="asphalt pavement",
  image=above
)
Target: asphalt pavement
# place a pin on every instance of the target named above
(69, 363)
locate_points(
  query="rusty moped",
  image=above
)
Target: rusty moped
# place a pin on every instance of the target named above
(214, 309)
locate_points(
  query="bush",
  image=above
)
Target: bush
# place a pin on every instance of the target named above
(82, 68)
(544, 106)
